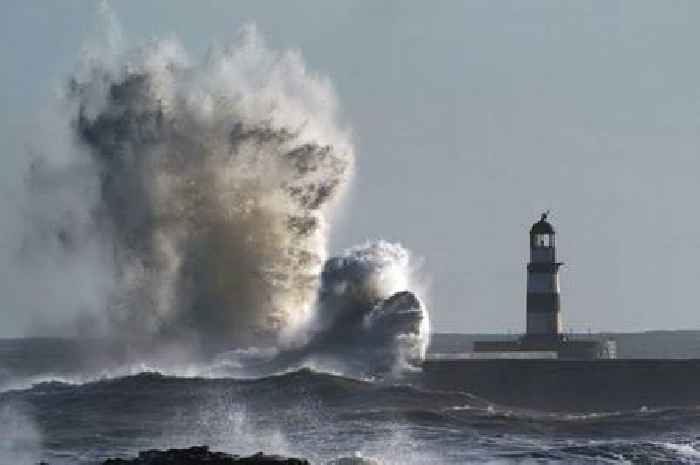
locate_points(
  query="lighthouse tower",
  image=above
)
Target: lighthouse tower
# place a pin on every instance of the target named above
(544, 338)
(543, 303)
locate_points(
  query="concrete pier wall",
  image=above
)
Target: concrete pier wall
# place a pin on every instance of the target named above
(570, 385)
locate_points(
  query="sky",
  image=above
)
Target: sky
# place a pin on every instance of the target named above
(469, 119)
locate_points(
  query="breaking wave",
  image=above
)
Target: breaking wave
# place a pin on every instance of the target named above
(202, 193)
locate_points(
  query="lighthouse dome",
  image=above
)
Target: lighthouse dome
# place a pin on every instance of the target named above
(542, 226)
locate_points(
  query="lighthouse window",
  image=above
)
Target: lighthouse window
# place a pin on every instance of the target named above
(542, 240)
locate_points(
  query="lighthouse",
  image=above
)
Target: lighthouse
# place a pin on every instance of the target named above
(543, 337)
(543, 301)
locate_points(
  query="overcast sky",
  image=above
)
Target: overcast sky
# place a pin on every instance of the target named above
(469, 119)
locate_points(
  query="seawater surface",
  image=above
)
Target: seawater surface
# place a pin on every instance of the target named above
(63, 419)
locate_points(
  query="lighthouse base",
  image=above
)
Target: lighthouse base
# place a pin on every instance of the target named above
(549, 346)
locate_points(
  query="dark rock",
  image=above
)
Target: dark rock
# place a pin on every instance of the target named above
(201, 455)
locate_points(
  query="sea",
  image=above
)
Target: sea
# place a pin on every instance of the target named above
(56, 408)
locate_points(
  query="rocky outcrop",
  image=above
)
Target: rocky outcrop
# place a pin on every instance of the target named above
(201, 455)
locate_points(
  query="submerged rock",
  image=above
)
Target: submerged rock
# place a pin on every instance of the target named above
(201, 455)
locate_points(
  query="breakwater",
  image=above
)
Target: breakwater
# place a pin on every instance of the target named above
(570, 385)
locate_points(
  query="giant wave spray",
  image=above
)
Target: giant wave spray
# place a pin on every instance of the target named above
(206, 191)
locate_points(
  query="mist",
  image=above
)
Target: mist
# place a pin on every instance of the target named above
(183, 206)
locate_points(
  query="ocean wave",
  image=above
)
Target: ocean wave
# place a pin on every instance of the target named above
(628, 452)
(175, 410)
(350, 398)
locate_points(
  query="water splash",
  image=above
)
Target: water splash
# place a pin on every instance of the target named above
(21, 439)
(204, 192)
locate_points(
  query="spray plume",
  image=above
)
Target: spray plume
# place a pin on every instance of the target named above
(205, 191)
